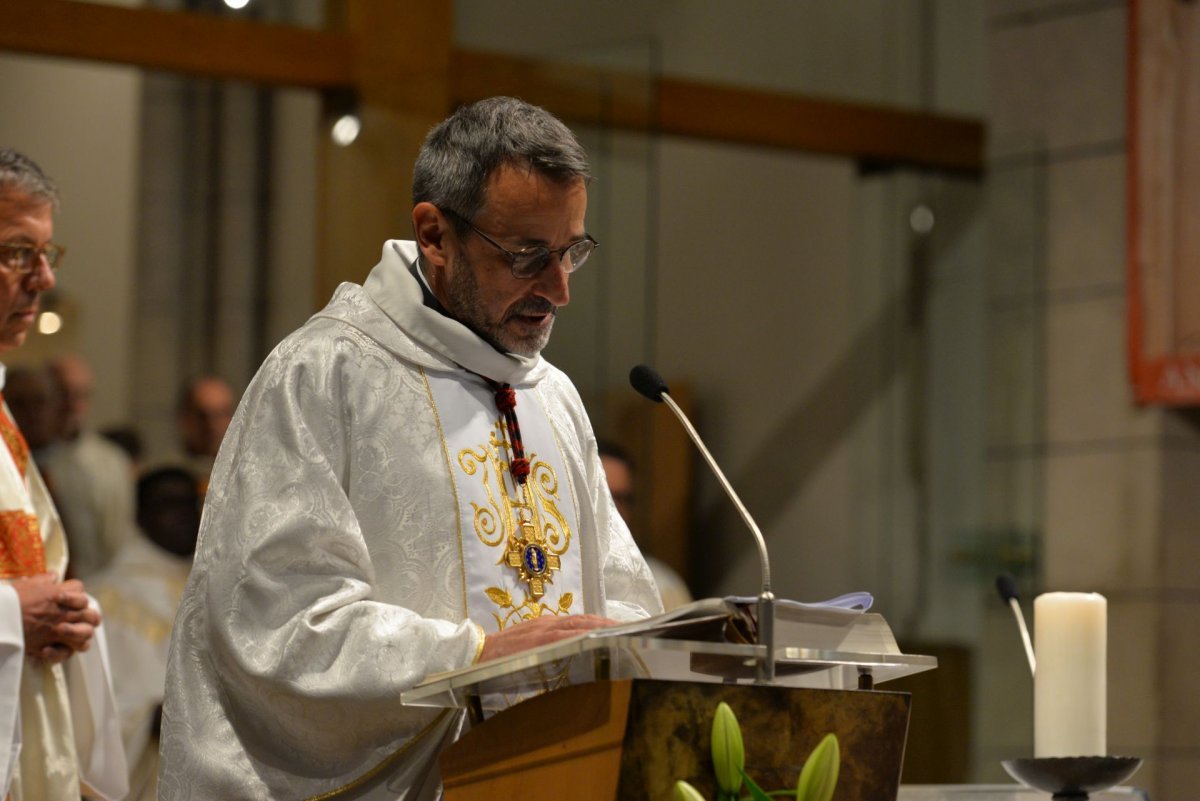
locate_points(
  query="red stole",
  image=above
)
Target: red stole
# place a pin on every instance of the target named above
(21, 550)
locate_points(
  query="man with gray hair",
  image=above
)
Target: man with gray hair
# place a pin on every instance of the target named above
(407, 488)
(49, 673)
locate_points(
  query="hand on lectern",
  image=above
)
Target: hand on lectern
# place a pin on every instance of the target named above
(539, 631)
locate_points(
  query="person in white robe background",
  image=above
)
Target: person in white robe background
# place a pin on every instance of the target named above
(407, 488)
(140, 591)
(91, 478)
(619, 475)
(59, 735)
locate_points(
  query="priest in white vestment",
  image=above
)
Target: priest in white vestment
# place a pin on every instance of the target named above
(59, 735)
(407, 488)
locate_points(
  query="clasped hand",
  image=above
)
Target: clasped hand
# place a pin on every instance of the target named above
(56, 617)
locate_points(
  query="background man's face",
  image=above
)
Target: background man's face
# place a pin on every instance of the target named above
(23, 221)
(75, 393)
(205, 418)
(620, 484)
(169, 514)
(523, 209)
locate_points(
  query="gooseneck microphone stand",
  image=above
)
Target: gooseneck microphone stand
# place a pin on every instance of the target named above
(649, 383)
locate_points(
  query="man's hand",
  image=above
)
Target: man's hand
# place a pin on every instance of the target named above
(539, 631)
(56, 617)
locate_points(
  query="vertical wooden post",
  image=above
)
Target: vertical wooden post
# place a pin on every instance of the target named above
(402, 72)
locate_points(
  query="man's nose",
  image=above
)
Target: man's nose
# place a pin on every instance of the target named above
(41, 278)
(552, 283)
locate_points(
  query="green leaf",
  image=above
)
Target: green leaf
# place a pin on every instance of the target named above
(820, 774)
(686, 792)
(757, 793)
(728, 753)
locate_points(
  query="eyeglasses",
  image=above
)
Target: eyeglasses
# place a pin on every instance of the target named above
(23, 259)
(528, 262)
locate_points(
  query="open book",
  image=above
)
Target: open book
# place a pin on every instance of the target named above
(838, 624)
(825, 645)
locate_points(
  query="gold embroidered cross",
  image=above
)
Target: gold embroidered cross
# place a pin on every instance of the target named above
(528, 555)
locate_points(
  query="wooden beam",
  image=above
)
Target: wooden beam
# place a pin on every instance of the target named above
(574, 92)
(219, 47)
(873, 134)
(870, 134)
(205, 45)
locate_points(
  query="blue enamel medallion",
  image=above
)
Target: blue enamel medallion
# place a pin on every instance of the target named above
(535, 559)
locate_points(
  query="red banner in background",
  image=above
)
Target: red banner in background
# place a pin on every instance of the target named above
(1164, 201)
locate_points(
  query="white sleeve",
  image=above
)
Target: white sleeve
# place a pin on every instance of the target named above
(12, 657)
(102, 769)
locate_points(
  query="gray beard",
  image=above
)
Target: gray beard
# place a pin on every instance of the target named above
(466, 304)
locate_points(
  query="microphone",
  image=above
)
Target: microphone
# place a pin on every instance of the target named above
(1006, 585)
(649, 383)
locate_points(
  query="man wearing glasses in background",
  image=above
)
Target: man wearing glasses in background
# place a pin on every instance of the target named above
(407, 488)
(48, 670)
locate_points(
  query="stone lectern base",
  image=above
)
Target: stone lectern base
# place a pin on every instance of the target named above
(633, 739)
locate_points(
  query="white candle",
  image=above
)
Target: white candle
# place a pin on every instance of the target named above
(1070, 685)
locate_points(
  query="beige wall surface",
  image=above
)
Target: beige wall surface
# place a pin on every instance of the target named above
(754, 310)
(1108, 476)
(80, 124)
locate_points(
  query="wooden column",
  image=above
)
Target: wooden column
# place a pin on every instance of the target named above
(402, 74)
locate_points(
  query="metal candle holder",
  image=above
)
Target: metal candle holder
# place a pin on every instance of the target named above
(1072, 778)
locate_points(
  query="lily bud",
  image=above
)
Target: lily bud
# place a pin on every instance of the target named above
(728, 753)
(686, 792)
(819, 776)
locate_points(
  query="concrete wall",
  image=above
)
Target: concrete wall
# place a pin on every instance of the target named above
(1069, 453)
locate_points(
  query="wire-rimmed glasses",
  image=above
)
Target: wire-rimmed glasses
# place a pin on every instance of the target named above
(528, 262)
(22, 259)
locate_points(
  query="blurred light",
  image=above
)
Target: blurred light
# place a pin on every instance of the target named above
(921, 219)
(346, 129)
(49, 323)
(237, 5)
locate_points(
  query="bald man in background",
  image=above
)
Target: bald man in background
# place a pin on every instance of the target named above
(92, 479)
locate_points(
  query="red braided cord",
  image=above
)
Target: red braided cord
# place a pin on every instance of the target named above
(506, 404)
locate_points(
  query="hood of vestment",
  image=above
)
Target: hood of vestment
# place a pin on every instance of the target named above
(394, 315)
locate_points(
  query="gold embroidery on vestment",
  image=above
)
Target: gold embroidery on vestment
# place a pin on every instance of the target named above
(528, 609)
(22, 552)
(531, 529)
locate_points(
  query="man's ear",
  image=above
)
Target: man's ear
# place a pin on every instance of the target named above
(431, 230)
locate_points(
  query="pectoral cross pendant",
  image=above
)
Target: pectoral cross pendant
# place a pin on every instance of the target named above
(531, 559)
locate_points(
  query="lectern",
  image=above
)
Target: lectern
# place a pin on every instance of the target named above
(623, 713)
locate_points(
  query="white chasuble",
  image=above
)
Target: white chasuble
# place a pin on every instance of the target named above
(355, 541)
(519, 541)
